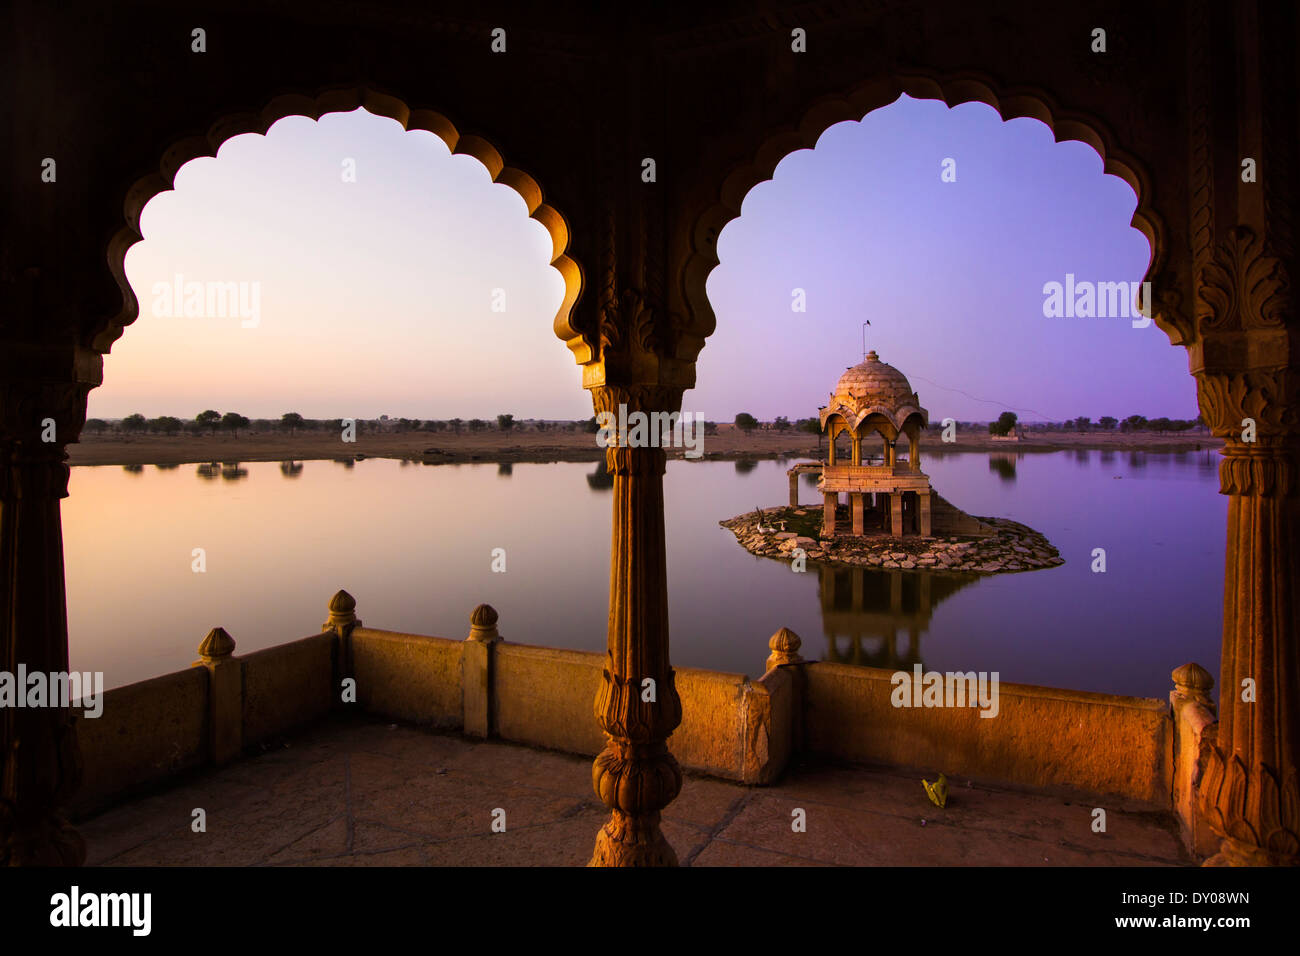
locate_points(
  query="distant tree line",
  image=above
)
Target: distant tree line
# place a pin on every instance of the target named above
(210, 422)
(1134, 423)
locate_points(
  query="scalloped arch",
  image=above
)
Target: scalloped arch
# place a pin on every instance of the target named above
(952, 90)
(334, 100)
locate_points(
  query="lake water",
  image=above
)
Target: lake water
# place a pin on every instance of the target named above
(414, 545)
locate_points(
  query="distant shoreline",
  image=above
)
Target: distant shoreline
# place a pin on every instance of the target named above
(491, 445)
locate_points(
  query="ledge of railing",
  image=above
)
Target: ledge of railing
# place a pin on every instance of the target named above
(732, 727)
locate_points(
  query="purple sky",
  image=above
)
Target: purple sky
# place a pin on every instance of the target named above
(376, 295)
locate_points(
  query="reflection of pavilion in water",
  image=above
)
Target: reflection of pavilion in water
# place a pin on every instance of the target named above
(864, 610)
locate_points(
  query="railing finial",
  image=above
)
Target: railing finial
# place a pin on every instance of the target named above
(483, 624)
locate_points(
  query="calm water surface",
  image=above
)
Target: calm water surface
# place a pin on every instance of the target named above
(414, 545)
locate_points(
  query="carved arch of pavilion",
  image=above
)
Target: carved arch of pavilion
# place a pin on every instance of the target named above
(336, 100)
(953, 90)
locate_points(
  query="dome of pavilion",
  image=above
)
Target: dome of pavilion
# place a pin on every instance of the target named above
(874, 388)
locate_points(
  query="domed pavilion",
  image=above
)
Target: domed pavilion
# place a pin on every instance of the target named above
(875, 404)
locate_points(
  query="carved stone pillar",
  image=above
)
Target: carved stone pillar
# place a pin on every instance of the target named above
(1243, 101)
(40, 764)
(637, 705)
(829, 503)
(1249, 789)
(856, 503)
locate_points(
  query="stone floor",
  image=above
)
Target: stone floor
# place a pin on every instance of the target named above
(376, 794)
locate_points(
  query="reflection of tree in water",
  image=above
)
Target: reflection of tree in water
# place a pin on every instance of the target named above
(745, 465)
(505, 469)
(231, 471)
(864, 610)
(1004, 464)
(1107, 457)
(291, 469)
(209, 470)
(345, 462)
(1137, 460)
(133, 469)
(166, 467)
(600, 479)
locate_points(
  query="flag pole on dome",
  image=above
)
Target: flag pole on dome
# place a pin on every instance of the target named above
(864, 340)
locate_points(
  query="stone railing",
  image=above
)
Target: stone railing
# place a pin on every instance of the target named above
(841, 470)
(732, 727)
(900, 469)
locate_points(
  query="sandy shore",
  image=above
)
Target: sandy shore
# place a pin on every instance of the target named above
(492, 445)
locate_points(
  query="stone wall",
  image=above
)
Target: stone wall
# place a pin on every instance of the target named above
(148, 732)
(732, 727)
(1040, 737)
(204, 716)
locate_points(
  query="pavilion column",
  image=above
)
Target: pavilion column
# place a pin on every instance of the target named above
(40, 763)
(1249, 786)
(794, 489)
(923, 509)
(896, 514)
(830, 502)
(637, 705)
(1243, 352)
(857, 449)
(859, 524)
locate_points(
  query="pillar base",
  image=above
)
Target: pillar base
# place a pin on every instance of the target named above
(1236, 853)
(50, 841)
(632, 841)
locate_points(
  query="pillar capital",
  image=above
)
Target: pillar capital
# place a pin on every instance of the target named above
(43, 384)
(636, 397)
